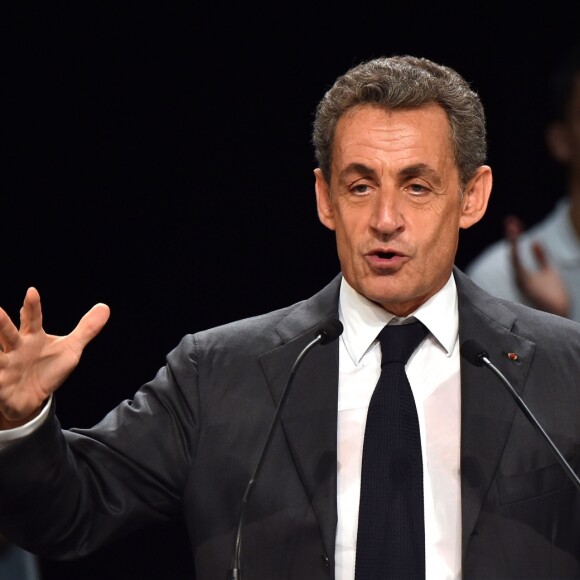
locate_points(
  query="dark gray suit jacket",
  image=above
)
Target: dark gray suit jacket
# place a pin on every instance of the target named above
(188, 442)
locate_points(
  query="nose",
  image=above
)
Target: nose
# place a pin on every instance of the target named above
(386, 216)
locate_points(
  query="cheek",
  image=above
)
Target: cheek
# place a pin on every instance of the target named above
(350, 227)
(350, 237)
(439, 239)
(345, 245)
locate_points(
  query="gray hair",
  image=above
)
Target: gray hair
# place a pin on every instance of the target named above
(405, 82)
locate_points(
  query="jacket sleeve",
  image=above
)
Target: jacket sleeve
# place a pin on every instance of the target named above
(63, 494)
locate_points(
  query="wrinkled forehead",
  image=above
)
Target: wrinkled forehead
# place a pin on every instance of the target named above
(395, 133)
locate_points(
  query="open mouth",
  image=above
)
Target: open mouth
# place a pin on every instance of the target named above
(386, 255)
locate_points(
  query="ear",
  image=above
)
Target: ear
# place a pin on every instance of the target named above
(476, 197)
(324, 200)
(557, 141)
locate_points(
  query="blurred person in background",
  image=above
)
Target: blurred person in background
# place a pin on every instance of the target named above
(540, 267)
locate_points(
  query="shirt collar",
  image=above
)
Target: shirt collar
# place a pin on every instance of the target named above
(364, 319)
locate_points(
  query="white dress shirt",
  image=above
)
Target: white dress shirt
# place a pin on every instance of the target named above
(433, 372)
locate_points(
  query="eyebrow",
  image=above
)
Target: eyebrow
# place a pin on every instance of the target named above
(357, 168)
(415, 170)
(422, 170)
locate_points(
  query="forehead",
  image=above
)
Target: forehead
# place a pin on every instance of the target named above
(407, 135)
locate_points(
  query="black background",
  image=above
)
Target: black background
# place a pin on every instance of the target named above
(157, 157)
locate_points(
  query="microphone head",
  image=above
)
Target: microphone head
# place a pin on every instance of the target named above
(329, 330)
(473, 352)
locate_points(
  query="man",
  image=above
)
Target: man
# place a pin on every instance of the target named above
(400, 144)
(541, 267)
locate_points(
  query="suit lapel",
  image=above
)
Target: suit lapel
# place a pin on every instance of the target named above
(309, 415)
(487, 410)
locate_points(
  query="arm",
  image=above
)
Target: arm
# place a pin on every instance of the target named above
(33, 364)
(543, 288)
(67, 492)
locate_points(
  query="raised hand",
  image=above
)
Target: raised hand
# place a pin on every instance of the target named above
(543, 288)
(33, 364)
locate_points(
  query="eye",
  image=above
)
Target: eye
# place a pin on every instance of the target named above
(417, 189)
(360, 189)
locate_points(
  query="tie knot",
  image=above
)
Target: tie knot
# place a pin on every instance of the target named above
(399, 341)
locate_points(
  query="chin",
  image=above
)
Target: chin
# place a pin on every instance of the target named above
(383, 296)
(389, 295)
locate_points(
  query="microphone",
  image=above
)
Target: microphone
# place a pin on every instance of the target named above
(327, 332)
(473, 352)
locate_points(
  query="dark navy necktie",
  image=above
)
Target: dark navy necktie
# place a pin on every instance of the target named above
(391, 527)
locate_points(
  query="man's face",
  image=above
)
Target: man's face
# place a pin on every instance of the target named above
(395, 203)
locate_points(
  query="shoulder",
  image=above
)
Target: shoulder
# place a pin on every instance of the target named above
(492, 270)
(484, 308)
(492, 259)
(266, 331)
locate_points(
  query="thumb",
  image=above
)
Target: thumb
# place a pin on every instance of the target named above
(90, 325)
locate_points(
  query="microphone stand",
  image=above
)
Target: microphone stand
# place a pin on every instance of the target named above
(324, 336)
(483, 360)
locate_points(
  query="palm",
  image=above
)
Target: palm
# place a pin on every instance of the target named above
(543, 287)
(34, 364)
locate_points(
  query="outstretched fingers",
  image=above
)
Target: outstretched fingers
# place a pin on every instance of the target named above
(540, 255)
(9, 336)
(30, 321)
(513, 228)
(31, 312)
(89, 326)
(34, 364)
